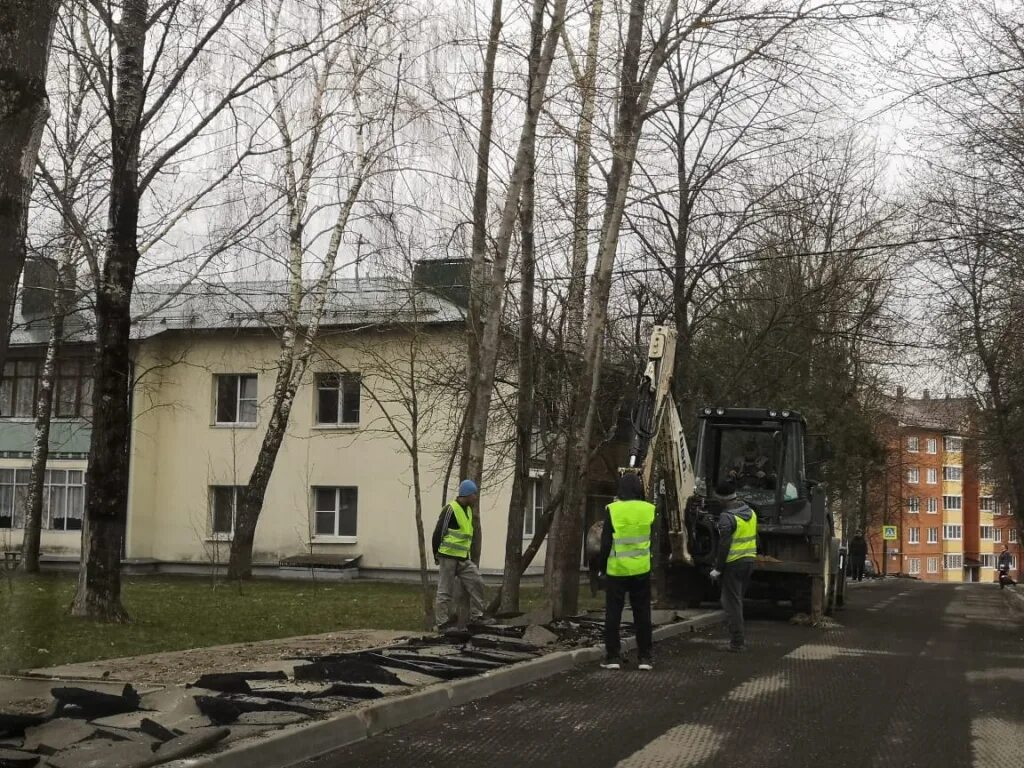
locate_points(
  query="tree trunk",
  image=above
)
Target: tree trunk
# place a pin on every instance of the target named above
(485, 362)
(680, 278)
(539, 535)
(565, 548)
(576, 304)
(421, 541)
(525, 397)
(99, 583)
(26, 29)
(250, 502)
(33, 513)
(488, 357)
(474, 319)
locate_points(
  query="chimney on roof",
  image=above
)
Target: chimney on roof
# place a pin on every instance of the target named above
(39, 287)
(927, 395)
(448, 278)
(900, 392)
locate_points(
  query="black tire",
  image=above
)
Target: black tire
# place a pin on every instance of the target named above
(800, 597)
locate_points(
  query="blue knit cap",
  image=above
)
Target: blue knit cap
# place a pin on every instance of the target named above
(467, 488)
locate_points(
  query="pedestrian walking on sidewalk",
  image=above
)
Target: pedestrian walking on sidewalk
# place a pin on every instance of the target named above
(625, 560)
(452, 542)
(858, 554)
(737, 549)
(1005, 561)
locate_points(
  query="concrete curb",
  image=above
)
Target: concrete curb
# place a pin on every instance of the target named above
(292, 745)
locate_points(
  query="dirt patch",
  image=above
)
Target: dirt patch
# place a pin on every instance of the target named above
(180, 667)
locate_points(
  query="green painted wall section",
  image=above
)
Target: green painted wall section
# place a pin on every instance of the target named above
(66, 437)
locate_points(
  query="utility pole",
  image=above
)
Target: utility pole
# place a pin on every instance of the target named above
(885, 516)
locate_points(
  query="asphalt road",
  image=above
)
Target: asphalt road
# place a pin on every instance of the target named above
(916, 675)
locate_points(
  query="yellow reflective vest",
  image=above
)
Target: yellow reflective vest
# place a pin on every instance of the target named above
(631, 538)
(457, 542)
(744, 539)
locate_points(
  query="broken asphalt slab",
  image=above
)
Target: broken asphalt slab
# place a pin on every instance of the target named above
(15, 758)
(306, 741)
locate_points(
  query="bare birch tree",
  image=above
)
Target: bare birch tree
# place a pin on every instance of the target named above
(334, 117)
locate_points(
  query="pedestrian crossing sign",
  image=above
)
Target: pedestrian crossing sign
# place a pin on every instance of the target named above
(889, 532)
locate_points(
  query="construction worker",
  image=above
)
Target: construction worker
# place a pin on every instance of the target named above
(625, 560)
(452, 541)
(737, 531)
(751, 470)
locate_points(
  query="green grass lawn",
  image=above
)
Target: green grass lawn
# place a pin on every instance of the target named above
(176, 613)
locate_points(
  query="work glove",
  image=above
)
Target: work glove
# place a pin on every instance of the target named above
(715, 573)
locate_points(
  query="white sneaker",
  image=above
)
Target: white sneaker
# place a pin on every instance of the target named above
(611, 664)
(646, 665)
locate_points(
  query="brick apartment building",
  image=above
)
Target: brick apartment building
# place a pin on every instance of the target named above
(950, 524)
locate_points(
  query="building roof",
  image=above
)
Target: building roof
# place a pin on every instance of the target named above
(944, 414)
(204, 306)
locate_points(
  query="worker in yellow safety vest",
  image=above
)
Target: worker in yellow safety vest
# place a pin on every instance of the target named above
(625, 560)
(737, 549)
(452, 543)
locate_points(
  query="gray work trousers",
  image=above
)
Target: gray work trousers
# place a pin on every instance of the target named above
(735, 580)
(450, 571)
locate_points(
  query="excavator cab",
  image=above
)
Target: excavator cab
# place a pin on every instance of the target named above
(760, 451)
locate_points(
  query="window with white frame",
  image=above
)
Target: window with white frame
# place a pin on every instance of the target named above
(335, 512)
(933, 445)
(933, 565)
(1013, 536)
(338, 399)
(950, 443)
(987, 532)
(21, 381)
(933, 476)
(933, 535)
(988, 561)
(915, 536)
(933, 506)
(999, 535)
(913, 505)
(914, 566)
(1013, 562)
(952, 474)
(953, 502)
(236, 398)
(224, 509)
(13, 492)
(913, 444)
(535, 509)
(953, 562)
(914, 475)
(63, 498)
(987, 504)
(952, 532)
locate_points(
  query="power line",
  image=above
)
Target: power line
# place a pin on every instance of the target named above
(735, 260)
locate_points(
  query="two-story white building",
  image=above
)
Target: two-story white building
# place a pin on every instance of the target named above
(204, 369)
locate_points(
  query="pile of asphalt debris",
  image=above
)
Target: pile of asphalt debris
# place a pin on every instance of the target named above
(92, 727)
